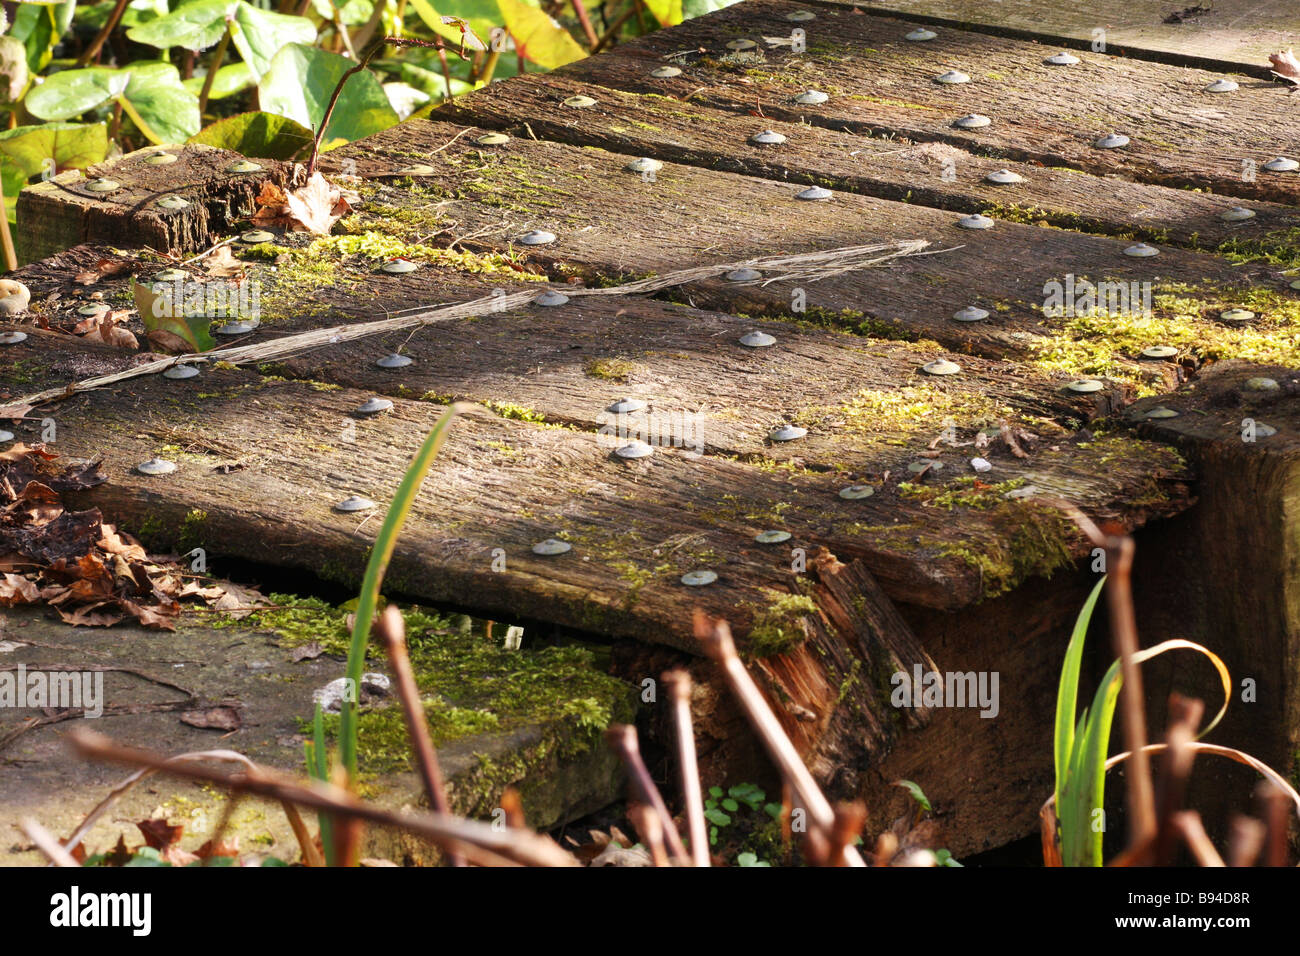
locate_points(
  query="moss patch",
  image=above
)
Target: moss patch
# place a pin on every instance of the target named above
(778, 626)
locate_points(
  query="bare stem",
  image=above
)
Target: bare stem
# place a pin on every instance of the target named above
(622, 738)
(678, 683)
(585, 20)
(391, 629)
(110, 25)
(213, 66)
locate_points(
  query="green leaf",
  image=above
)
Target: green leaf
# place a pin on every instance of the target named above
(27, 151)
(380, 555)
(262, 135)
(667, 12)
(917, 793)
(716, 792)
(151, 94)
(274, 861)
(231, 79)
(483, 16)
(39, 26)
(730, 805)
(945, 858)
(698, 8)
(539, 38)
(773, 810)
(259, 35)
(717, 817)
(1067, 692)
(194, 26)
(299, 85)
(160, 314)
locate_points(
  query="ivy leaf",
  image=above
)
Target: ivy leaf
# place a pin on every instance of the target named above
(261, 135)
(539, 38)
(299, 85)
(150, 93)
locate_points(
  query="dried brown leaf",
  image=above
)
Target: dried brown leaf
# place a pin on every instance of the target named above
(1285, 65)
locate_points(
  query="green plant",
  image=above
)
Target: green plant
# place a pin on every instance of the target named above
(367, 605)
(1080, 746)
(744, 803)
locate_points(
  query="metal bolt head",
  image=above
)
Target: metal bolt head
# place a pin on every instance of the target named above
(238, 327)
(757, 340)
(644, 164)
(156, 466)
(811, 98)
(952, 77)
(1295, 284)
(1159, 412)
(741, 45)
(1237, 315)
(1264, 431)
(173, 203)
(171, 275)
(1158, 352)
(493, 139)
(855, 492)
(160, 158)
(634, 449)
(180, 372)
(665, 72)
(971, 313)
(551, 298)
(6, 436)
(977, 221)
(394, 360)
(399, 266)
(354, 503)
(697, 579)
(916, 467)
(815, 193)
(1003, 177)
(12, 338)
(417, 169)
(920, 35)
(1141, 251)
(1061, 59)
(254, 236)
(772, 537)
(103, 185)
(941, 367)
(972, 121)
(374, 406)
(1221, 86)
(243, 166)
(788, 433)
(767, 138)
(552, 546)
(626, 406)
(93, 308)
(1112, 141)
(536, 237)
(1261, 384)
(743, 274)
(1281, 165)
(1085, 385)
(579, 102)
(800, 16)
(1237, 214)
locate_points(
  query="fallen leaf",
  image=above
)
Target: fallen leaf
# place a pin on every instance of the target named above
(314, 207)
(102, 269)
(221, 848)
(16, 589)
(238, 602)
(15, 411)
(213, 718)
(113, 334)
(223, 264)
(271, 195)
(1285, 65)
(160, 834)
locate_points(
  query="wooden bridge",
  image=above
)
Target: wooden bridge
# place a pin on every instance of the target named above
(893, 378)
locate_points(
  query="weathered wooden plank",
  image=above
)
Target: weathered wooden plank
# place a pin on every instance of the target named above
(878, 82)
(634, 119)
(941, 544)
(1240, 33)
(64, 211)
(478, 194)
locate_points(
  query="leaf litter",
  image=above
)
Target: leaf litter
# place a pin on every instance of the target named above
(74, 562)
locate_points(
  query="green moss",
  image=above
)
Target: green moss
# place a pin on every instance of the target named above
(778, 626)
(1184, 316)
(899, 412)
(191, 534)
(1030, 541)
(965, 492)
(469, 684)
(609, 369)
